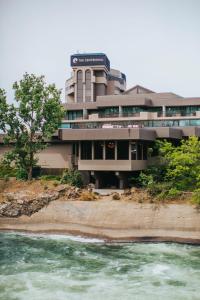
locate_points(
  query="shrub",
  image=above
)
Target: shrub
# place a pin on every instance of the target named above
(116, 196)
(6, 170)
(196, 197)
(88, 196)
(21, 174)
(72, 177)
(50, 177)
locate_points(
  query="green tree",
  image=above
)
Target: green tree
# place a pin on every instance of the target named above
(31, 122)
(182, 163)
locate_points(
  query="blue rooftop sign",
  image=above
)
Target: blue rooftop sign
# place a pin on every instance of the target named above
(90, 59)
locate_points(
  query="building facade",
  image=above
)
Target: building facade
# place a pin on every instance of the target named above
(107, 130)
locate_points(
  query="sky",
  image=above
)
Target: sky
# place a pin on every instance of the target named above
(156, 43)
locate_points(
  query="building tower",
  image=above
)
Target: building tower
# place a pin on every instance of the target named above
(91, 77)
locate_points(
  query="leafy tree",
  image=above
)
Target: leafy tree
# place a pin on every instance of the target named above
(31, 122)
(182, 163)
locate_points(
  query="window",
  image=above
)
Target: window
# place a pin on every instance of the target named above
(133, 151)
(86, 150)
(74, 114)
(98, 149)
(79, 86)
(122, 150)
(110, 149)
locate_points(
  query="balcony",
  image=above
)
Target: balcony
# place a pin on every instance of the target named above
(111, 165)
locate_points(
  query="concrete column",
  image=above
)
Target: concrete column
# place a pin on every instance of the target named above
(122, 179)
(75, 92)
(85, 113)
(129, 151)
(83, 91)
(120, 111)
(92, 91)
(92, 150)
(115, 150)
(79, 152)
(104, 150)
(163, 111)
(97, 179)
(92, 85)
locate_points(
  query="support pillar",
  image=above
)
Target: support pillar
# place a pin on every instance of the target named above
(120, 111)
(85, 113)
(122, 179)
(97, 178)
(163, 111)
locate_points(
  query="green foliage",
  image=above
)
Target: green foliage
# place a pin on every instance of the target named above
(182, 163)
(178, 171)
(6, 170)
(50, 177)
(21, 174)
(72, 177)
(196, 197)
(30, 122)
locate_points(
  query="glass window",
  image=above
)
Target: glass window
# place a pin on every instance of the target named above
(110, 149)
(98, 149)
(65, 125)
(79, 86)
(122, 150)
(133, 151)
(132, 110)
(74, 114)
(109, 112)
(86, 150)
(139, 151)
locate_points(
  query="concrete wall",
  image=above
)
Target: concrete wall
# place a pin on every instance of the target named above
(55, 156)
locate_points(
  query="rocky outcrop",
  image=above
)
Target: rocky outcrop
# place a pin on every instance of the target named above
(19, 203)
(23, 203)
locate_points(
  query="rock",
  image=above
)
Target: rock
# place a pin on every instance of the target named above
(25, 203)
(127, 192)
(61, 189)
(116, 196)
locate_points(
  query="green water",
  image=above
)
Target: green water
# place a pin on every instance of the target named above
(65, 268)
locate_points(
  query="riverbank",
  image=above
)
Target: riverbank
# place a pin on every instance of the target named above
(113, 221)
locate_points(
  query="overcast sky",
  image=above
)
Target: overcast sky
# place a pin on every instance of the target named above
(156, 43)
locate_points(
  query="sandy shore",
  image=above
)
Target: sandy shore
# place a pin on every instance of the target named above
(113, 221)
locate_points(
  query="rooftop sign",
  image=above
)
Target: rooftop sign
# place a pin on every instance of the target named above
(95, 59)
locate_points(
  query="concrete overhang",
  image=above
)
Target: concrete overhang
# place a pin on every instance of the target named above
(107, 134)
(190, 131)
(80, 106)
(122, 100)
(168, 133)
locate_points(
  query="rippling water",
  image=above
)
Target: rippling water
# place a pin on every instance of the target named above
(58, 267)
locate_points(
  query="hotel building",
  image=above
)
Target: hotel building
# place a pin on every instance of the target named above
(107, 129)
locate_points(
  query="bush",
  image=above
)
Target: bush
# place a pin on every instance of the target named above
(196, 197)
(50, 177)
(21, 174)
(88, 196)
(6, 170)
(72, 177)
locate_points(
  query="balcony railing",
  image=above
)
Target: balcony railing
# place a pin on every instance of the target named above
(177, 114)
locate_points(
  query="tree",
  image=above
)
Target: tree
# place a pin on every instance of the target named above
(182, 163)
(31, 122)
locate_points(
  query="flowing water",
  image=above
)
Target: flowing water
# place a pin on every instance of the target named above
(66, 268)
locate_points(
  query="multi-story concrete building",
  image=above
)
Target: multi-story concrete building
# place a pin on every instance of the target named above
(107, 130)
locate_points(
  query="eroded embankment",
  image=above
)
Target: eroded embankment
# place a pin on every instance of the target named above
(113, 220)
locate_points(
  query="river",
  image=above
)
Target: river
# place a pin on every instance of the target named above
(52, 267)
